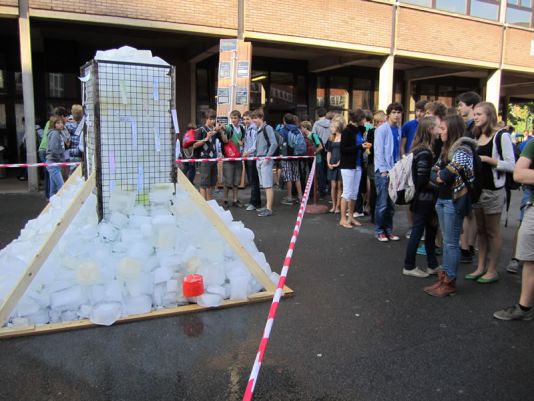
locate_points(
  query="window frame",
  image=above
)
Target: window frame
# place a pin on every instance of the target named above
(521, 7)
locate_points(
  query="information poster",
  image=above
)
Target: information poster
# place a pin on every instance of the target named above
(223, 96)
(241, 96)
(225, 69)
(243, 69)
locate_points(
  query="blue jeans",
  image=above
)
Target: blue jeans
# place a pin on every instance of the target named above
(56, 179)
(424, 221)
(450, 220)
(385, 208)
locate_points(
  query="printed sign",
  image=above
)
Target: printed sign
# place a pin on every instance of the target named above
(222, 120)
(241, 96)
(223, 96)
(228, 45)
(225, 69)
(242, 69)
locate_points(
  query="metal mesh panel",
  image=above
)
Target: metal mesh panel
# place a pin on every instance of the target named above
(132, 137)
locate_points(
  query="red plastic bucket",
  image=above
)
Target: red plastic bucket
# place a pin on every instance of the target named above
(193, 285)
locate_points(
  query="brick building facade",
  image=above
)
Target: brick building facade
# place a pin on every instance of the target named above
(340, 54)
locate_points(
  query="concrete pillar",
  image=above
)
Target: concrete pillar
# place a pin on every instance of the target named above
(493, 88)
(27, 92)
(385, 85)
(241, 19)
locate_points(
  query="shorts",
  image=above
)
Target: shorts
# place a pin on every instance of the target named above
(290, 170)
(265, 173)
(525, 238)
(491, 201)
(208, 174)
(232, 173)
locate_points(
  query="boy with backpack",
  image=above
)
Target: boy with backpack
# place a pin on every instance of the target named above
(294, 145)
(317, 148)
(266, 146)
(232, 138)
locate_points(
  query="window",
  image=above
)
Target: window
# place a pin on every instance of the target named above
(62, 86)
(487, 9)
(361, 93)
(519, 12)
(56, 85)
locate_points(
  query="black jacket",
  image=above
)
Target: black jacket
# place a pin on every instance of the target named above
(348, 148)
(425, 190)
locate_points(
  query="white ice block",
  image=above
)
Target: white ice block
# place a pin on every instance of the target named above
(209, 300)
(118, 219)
(162, 274)
(106, 314)
(122, 201)
(71, 298)
(217, 289)
(89, 273)
(114, 291)
(143, 285)
(129, 268)
(238, 287)
(138, 305)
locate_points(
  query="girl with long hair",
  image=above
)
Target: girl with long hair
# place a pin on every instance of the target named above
(333, 156)
(453, 174)
(423, 203)
(489, 208)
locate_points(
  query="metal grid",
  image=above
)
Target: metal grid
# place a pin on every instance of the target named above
(133, 137)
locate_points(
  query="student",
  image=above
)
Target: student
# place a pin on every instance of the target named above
(453, 173)
(351, 148)
(188, 152)
(249, 150)
(489, 208)
(423, 204)
(266, 145)
(387, 152)
(291, 168)
(409, 128)
(333, 156)
(466, 107)
(55, 152)
(379, 118)
(306, 129)
(466, 103)
(232, 170)
(321, 127)
(524, 174)
(205, 148)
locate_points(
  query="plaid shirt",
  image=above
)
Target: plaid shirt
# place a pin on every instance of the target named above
(74, 151)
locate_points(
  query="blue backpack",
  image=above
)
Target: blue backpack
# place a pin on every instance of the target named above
(296, 141)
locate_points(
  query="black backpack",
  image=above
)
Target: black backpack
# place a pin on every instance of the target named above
(474, 188)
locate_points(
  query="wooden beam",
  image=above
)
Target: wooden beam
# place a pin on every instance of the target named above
(226, 233)
(44, 251)
(30, 330)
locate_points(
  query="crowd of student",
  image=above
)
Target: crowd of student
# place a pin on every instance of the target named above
(464, 165)
(61, 141)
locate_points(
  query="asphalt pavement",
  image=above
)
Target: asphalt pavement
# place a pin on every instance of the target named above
(355, 329)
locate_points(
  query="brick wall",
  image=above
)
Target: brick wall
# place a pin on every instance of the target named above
(448, 36)
(517, 50)
(13, 3)
(357, 21)
(212, 13)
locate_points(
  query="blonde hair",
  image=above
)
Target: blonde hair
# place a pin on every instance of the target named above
(306, 124)
(339, 123)
(77, 112)
(379, 117)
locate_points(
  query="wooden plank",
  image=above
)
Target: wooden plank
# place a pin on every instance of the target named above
(40, 257)
(226, 233)
(167, 312)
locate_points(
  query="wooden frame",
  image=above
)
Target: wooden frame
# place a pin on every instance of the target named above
(63, 224)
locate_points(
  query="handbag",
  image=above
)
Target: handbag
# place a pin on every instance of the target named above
(231, 150)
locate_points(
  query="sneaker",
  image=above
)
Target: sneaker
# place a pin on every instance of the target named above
(288, 201)
(415, 273)
(421, 250)
(393, 237)
(513, 266)
(265, 213)
(433, 272)
(250, 208)
(382, 237)
(513, 313)
(408, 233)
(356, 214)
(261, 209)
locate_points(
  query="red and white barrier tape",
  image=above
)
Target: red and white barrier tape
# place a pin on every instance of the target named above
(237, 159)
(278, 293)
(219, 159)
(24, 165)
